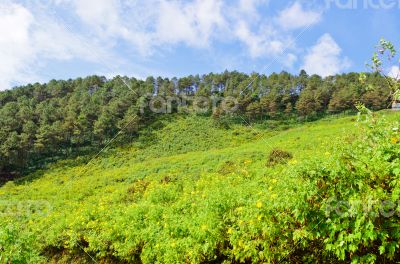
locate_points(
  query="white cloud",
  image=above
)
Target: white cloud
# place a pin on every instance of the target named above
(289, 60)
(104, 19)
(102, 15)
(15, 46)
(295, 16)
(91, 30)
(394, 72)
(325, 58)
(265, 43)
(29, 39)
(154, 23)
(249, 7)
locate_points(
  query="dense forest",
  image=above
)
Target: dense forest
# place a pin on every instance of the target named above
(40, 122)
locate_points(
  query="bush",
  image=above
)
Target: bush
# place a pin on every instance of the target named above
(278, 156)
(353, 213)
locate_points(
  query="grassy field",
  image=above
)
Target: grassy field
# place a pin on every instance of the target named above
(187, 191)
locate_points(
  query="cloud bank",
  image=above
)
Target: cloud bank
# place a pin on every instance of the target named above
(93, 30)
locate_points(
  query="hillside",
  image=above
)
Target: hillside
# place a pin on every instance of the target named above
(189, 191)
(43, 123)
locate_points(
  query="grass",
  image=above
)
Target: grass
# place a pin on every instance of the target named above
(186, 192)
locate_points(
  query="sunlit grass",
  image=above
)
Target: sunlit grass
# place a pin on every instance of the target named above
(195, 193)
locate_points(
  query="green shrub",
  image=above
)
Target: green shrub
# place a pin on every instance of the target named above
(278, 156)
(353, 214)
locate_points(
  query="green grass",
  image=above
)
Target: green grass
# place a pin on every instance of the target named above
(186, 191)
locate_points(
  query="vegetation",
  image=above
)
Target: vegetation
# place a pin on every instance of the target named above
(277, 156)
(188, 188)
(42, 123)
(218, 204)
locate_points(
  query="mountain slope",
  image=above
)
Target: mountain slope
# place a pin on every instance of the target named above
(199, 193)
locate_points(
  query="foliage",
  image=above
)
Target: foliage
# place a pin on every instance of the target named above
(43, 123)
(354, 211)
(191, 189)
(210, 205)
(278, 156)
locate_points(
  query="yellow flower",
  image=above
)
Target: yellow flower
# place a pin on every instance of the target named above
(270, 188)
(259, 217)
(274, 181)
(239, 209)
(259, 204)
(394, 140)
(204, 227)
(230, 231)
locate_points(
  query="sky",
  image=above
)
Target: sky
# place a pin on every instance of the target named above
(42, 40)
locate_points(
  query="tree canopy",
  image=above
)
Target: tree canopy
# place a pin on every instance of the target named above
(61, 117)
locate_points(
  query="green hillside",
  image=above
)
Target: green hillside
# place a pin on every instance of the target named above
(190, 191)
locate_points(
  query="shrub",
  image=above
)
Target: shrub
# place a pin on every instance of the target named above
(227, 168)
(353, 213)
(278, 156)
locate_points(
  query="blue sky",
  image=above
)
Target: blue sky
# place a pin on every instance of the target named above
(60, 39)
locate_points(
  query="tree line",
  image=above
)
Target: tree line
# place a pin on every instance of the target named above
(63, 117)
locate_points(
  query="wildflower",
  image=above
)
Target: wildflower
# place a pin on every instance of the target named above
(394, 140)
(259, 204)
(239, 209)
(270, 188)
(230, 231)
(274, 181)
(259, 217)
(204, 227)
